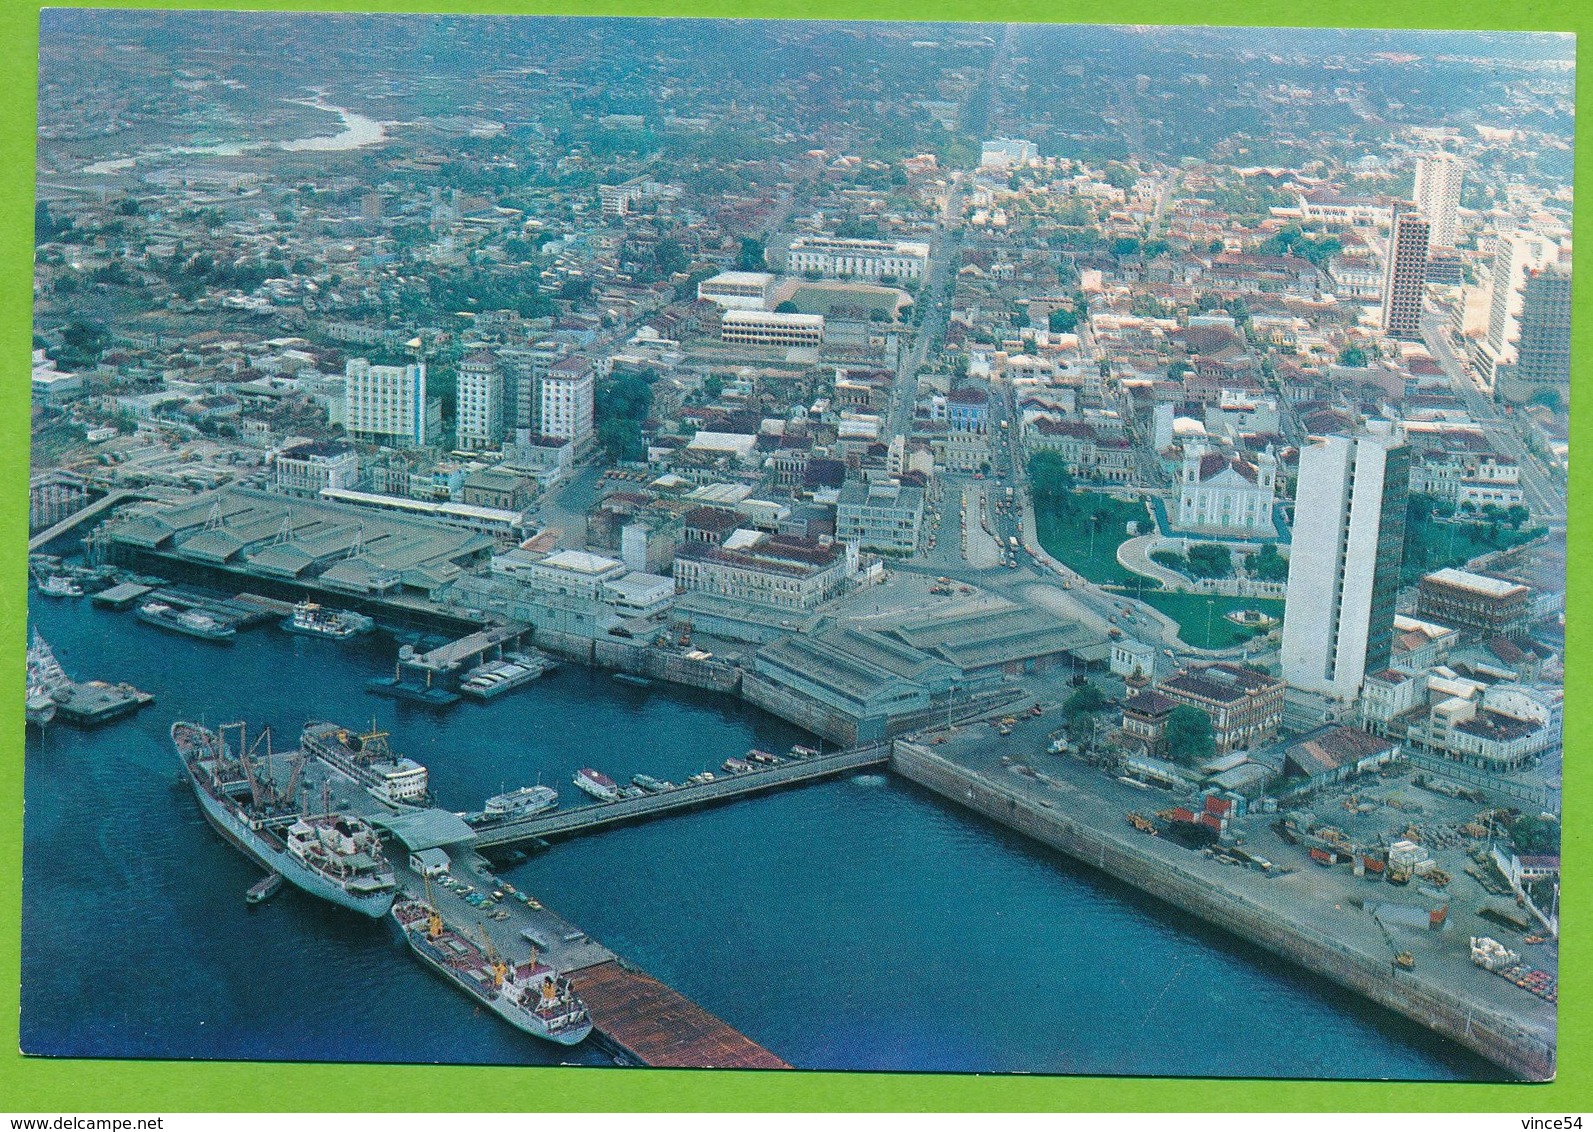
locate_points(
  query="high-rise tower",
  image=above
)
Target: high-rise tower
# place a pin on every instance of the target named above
(1438, 177)
(1405, 279)
(1344, 560)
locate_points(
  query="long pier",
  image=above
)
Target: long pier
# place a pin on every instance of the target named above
(585, 819)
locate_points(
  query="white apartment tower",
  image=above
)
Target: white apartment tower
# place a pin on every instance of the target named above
(1344, 560)
(480, 402)
(386, 404)
(1438, 177)
(566, 400)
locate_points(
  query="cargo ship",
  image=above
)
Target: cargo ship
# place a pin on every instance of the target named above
(369, 761)
(530, 996)
(525, 802)
(335, 856)
(597, 784)
(315, 620)
(193, 622)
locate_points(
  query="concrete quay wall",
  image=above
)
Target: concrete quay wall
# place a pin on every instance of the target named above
(1476, 1026)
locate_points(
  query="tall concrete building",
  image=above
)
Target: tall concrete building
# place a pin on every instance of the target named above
(480, 402)
(1515, 256)
(1543, 343)
(1344, 560)
(1438, 177)
(565, 399)
(387, 404)
(1405, 277)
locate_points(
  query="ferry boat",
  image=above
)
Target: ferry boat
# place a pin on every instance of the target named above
(650, 784)
(60, 585)
(335, 856)
(764, 757)
(193, 622)
(597, 784)
(368, 760)
(530, 996)
(736, 766)
(522, 803)
(801, 752)
(315, 620)
(498, 676)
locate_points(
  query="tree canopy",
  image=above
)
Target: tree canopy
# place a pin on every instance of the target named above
(1189, 738)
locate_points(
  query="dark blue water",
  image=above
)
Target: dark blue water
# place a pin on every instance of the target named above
(859, 923)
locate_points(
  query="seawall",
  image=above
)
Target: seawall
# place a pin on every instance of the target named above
(1476, 1026)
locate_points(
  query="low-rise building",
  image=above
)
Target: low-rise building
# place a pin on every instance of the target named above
(1475, 604)
(1245, 706)
(772, 328)
(774, 571)
(881, 514)
(305, 470)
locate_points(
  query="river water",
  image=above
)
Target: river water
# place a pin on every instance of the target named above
(859, 923)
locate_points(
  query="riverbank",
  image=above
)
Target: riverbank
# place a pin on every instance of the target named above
(1151, 867)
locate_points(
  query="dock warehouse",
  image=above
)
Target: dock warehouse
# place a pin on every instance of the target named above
(308, 541)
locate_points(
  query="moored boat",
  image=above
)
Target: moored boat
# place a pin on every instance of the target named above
(522, 803)
(315, 620)
(531, 996)
(597, 784)
(193, 622)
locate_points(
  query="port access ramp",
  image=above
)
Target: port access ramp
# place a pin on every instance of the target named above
(586, 819)
(453, 655)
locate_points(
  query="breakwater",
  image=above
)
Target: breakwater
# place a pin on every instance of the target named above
(1478, 1027)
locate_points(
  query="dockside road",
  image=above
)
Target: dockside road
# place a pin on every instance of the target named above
(1314, 918)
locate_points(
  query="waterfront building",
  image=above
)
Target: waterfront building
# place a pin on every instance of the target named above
(570, 592)
(480, 404)
(566, 397)
(775, 571)
(1245, 706)
(1437, 192)
(305, 470)
(1144, 723)
(1344, 561)
(1543, 345)
(839, 258)
(1405, 277)
(1333, 753)
(772, 328)
(1223, 494)
(1476, 604)
(388, 404)
(329, 543)
(880, 514)
(738, 290)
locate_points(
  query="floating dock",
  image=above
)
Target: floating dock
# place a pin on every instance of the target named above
(644, 1022)
(121, 596)
(98, 702)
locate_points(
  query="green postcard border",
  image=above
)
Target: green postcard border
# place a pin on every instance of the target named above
(45, 1086)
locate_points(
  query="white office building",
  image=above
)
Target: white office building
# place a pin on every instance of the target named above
(838, 258)
(738, 290)
(566, 400)
(386, 404)
(1438, 177)
(480, 402)
(1344, 560)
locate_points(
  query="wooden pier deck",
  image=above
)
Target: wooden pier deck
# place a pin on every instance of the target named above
(647, 1022)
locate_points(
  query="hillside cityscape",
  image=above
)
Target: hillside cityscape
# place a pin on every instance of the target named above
(1149, 440)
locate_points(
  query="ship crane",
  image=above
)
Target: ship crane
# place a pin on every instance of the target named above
(295, 777)
(494, 960)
